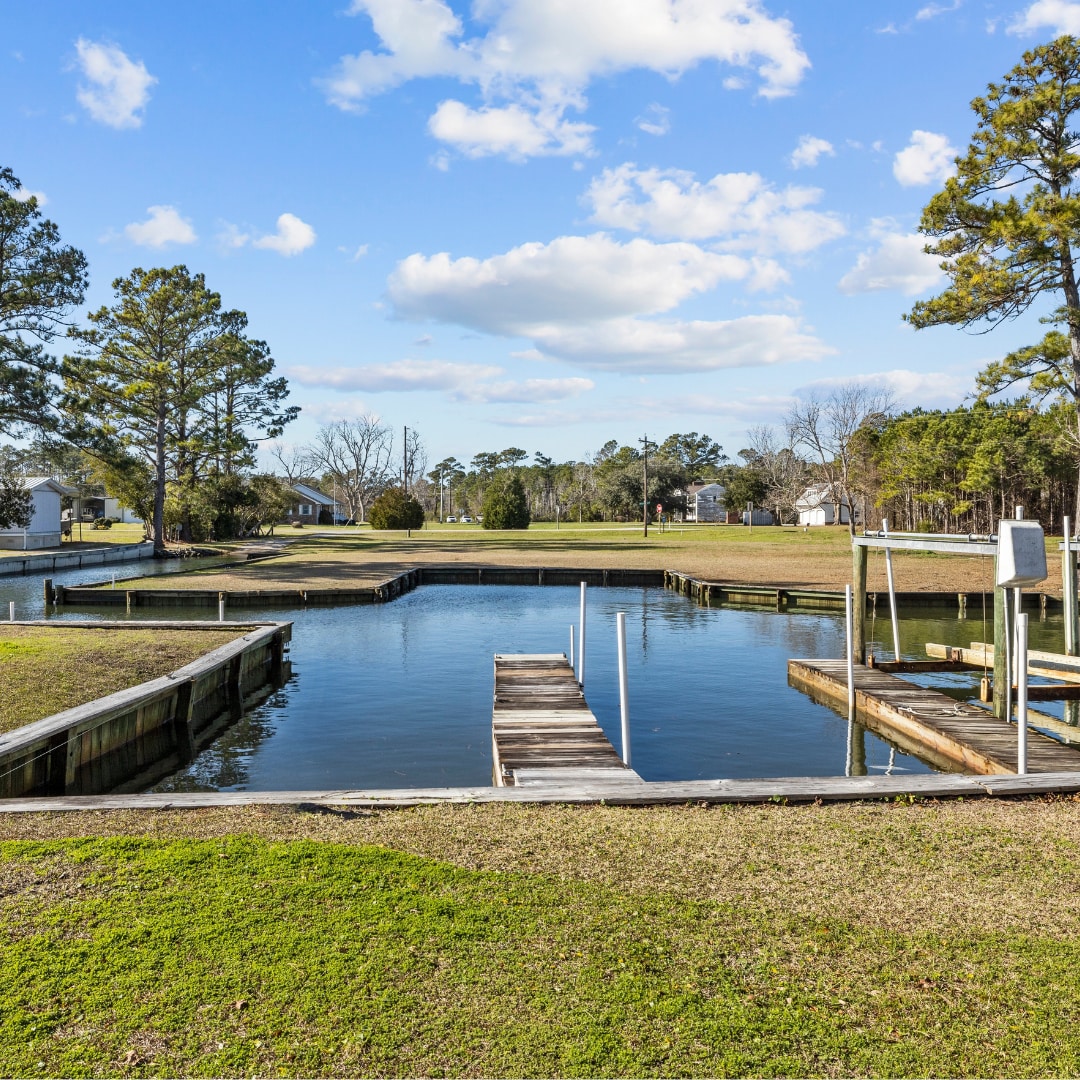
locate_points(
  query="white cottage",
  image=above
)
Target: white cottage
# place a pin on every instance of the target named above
(816, 506)
(44, 528)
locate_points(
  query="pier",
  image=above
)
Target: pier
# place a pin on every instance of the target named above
(950, 734)
(543, 731)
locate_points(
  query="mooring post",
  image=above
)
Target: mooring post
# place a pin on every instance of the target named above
(1068, 590)
(892, 594)
(11, 611)
(1021, 694)
(624, 697)
(572, 666)
(50, 594)
(581, 640)
(1001, 650)
(849, 621)
(220, 607)
(858, 577)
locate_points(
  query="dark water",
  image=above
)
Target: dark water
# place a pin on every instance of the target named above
(399, 694)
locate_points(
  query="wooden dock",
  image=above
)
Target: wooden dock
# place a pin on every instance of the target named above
(948, 733)
(543, 731)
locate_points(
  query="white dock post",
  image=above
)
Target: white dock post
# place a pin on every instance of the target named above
(1068, 590)
(11, 611)
(1021, 694)
(221, 607)
(624, 698)
(114, 579)
(581, 641)
(572, 668)
(892, 594)
(848, 619)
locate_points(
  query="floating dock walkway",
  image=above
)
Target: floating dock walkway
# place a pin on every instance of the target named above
(950, 734)
(543, 731)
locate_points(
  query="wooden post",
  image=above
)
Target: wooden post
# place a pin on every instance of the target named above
(1001, 652)
(858, 577)
(50, 595)
(1068, 593)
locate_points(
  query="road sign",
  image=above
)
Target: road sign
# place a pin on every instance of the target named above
(659, 507)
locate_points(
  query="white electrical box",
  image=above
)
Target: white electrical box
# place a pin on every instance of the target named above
(1021, 554)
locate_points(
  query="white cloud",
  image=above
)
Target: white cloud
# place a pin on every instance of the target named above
(542, 57)
(164, 226)
(292, 236)
(21, 194)
(398, 375)
(741, 211)
(930, 389)
(573, 279)
(513, 131)
(1057, 16)
(582, 299)
(933, 10)
(898, 262)
(474, 383)
(670, 346)
(656, 120)
(810, 151)
(927, 159)
(116, 88)
(525, 392)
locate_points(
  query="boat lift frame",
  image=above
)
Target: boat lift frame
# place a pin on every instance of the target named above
(961, 544)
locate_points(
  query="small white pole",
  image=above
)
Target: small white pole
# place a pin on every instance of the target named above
(624, 697)
(581, 641)
(892, 594)
(11, 610)
(849, 619)
(1068, 591)
(114, 580)
(221, 609)
(1021, 694)
(571, 646)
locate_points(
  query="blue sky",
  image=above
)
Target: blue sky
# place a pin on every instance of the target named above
(537, 223)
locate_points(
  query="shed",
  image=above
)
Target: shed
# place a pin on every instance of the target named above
(817, 505)
(44, 528)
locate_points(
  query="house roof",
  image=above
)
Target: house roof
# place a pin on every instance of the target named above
(37, 483)
(312, 495)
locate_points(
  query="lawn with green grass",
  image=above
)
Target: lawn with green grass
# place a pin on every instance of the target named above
(456, 941)
(45, 670)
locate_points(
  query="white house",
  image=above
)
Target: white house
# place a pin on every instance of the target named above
(44, 528)
(705, 502)
(816, 506)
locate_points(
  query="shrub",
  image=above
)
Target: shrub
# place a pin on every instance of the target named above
(102, 523)
(393, 509)
(505, 503)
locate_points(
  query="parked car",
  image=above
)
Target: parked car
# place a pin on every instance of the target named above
(451, 520)
(466, 520)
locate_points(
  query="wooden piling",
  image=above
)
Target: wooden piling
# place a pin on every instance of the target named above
(858, 582)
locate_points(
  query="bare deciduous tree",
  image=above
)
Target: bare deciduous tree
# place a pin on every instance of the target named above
(357, 455)
(831, 430)
(785, 473)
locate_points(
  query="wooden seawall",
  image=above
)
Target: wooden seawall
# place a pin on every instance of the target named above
(543, 731)
(119, 738)
(950, 734)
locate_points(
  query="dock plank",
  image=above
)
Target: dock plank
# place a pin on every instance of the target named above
(968, 736)
(543, 730)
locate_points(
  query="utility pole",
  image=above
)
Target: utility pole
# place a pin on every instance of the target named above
(645, 485)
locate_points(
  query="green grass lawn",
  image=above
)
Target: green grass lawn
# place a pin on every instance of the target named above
(244, 956)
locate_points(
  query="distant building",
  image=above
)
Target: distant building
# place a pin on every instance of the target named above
(44, 528)
(816, 506)
(309, 504)
(705, 502)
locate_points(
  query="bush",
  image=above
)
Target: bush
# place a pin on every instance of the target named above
(505, 504)
(102, 523)
(393, 509)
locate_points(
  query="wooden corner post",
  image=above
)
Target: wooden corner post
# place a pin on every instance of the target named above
(858, 615)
